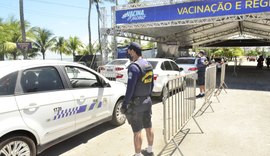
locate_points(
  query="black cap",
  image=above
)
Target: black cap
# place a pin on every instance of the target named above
(136, 47)
(202, 52)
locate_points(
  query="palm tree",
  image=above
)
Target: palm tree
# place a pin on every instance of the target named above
(13, 35)
(85, 50)
(59, 46)
(23, 27)
(73, 45)
(10, 33)
(1, 30)
(2, 35)
(43, 40)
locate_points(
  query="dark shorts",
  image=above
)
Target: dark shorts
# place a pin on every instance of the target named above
(140, 120)
(201, 78)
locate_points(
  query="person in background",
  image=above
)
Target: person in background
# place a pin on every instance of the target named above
(260, 62)
(267, 61)
(137, 105)
(201, 65)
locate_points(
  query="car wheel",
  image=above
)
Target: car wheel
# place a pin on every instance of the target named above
(18, 145)
(118, 117)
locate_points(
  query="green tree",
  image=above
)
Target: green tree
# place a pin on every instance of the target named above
(149, 45)
(2, 40)
(251, 53)
(12, 35)
(59, 46)
(124, 43)
(1, 31)
(43, 40)
(73, 45)
(237, 51)
(85, 50)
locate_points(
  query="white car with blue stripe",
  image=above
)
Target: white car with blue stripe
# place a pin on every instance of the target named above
(45, 102)
(164, 70)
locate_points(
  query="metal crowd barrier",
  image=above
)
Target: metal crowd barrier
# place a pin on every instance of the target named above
(178, 108)
(210, 81)
(222, 84)
(210, 86)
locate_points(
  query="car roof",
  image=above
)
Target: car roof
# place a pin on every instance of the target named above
(186, 58)
(158, 59)
(120, 59)
(15, 65)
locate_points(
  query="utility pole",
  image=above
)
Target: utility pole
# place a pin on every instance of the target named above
(114, 31)
(24, 51)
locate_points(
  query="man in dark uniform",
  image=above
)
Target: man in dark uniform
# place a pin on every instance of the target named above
(201, 65)
(137, 104)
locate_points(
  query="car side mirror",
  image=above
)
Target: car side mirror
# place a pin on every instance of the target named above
(104, 83)
(181, 69)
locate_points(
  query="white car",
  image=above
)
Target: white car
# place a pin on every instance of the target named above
(109, 70)
(164, 70)
(189, 64)
(45, 102)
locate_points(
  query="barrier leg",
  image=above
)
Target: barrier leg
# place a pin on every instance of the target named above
(217, 96)
(167, 150)
(209, 105)
(177, 147)
(206, 103)
(219, 90)
(193, 117)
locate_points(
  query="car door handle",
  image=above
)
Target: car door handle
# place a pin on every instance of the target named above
(31, 107)
(81, 100)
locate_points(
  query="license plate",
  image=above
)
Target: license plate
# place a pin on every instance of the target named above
(109, 69)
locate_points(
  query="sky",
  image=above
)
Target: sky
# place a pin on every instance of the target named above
(63, 17)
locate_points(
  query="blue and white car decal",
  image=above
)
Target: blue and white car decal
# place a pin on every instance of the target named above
(80, 109)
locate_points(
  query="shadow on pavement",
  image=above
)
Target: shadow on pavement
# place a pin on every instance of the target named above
(246, 78)
(75, 141)
(171, 146)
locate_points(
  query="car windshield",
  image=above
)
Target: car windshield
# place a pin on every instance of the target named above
(185, 61)
(118, 62)
(153, 63)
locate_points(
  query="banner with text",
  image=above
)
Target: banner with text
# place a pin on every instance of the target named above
(191, 10)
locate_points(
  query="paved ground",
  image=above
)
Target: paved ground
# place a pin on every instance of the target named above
(240, 125)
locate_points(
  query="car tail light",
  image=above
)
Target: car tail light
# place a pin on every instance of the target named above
(119, 68)
(192, 69)
(155, 76)
(119, 76)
